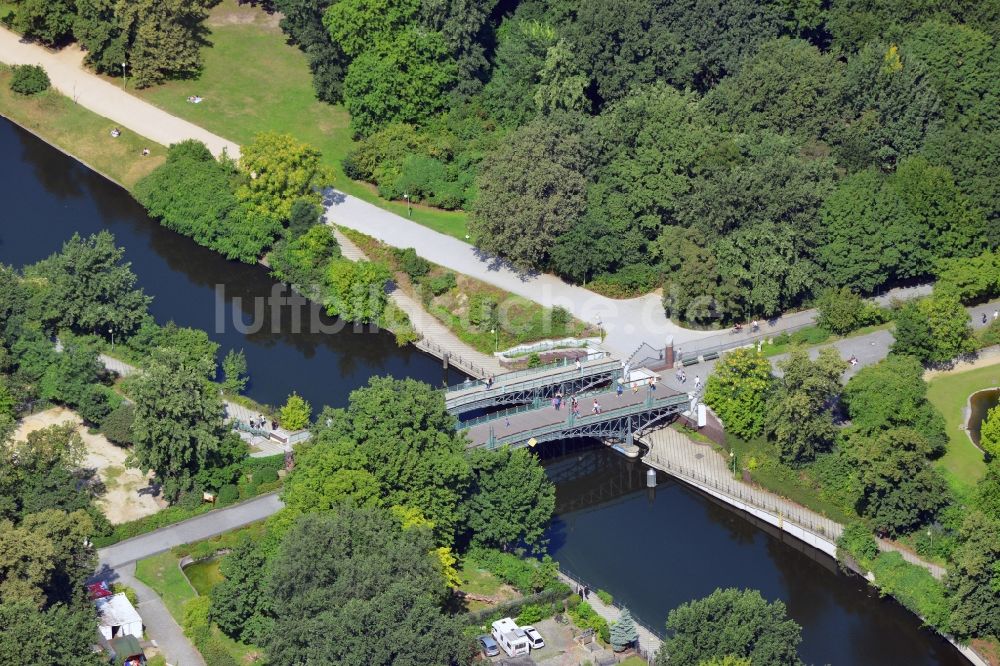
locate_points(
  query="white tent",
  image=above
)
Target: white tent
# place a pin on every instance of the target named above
(118, 617)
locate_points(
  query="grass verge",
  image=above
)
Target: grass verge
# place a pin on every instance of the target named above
(81, 133)
(520, 321)
(275, 94)
(962, 464)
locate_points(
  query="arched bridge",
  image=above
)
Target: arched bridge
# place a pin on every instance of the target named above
(532, 386)
(621, 417)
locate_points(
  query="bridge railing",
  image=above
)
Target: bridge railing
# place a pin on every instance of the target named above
(506, 376)
(477, 395)
(571, 421)
(714, 345)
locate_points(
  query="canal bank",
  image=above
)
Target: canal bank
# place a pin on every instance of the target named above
(654, 549)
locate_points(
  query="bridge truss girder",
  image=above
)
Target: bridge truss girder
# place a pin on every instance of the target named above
(619, 428)
(537, 394)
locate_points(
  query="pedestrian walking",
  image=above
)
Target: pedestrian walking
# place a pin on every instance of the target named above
(597, 407)
(684, 376)
(620, 388)
(984, 318)
(579, 366)
(697, 382)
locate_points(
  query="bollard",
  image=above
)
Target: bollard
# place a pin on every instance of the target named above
(650, 478)
(669, 352)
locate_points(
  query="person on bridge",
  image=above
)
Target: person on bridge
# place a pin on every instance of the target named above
(697, 382)
(621, 387)
(579, 366)
(597, 406)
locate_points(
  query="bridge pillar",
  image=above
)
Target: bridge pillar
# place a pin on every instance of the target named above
(668, 353)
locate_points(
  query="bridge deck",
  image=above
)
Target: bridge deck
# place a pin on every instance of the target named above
(513, 428)
(476, 391)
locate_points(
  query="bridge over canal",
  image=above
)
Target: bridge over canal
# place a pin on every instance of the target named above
(621, 418)
(533, 385)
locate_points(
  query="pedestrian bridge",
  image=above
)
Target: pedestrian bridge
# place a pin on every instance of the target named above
(533, 385)
(620, 419)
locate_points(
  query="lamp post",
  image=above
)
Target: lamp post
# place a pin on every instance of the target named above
(409, 211)
(496, 339)
(123, 76)
(111, 330)
(732, 456)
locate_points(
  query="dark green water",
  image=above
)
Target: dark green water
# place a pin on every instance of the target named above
(980, 403)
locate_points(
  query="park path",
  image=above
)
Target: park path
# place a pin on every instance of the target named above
(437, 339)
(701, 465)
(117, 564)
(68, 76)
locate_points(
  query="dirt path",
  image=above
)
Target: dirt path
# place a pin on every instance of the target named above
(127, 495)
(986, 357)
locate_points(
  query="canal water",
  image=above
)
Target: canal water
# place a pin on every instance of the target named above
(656, 549)
(653, 550)
(48, 196)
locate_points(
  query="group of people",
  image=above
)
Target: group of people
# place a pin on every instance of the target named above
(754, 326)
(260, 423)
(996, 315)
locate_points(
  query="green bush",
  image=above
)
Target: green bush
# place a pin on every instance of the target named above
(527, 575)
(632, 280)
(585, 617)
(857, 540)
(605, 597)
(29, 80)
(195, 622)
(441, 283)
(532, 613)
(266, 475)
(122, 588)
(914, 587)
(213, 651)
(228, 494)
(813, 335)
(411, 263)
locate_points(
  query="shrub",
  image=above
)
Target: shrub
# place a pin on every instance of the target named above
(195, 622)
(442, 283)
(532, 613)
(812, 335)
(228, 494)
(857, 541)
(525, 574)
(632, 280)
(122, 588)
(411, 263)
(560, 317)
(266, 475)
(96, 405)
(29, 80)
(117, 426)
(585, 617)
(483, 311)
(914, 587)
(605, 597)
(534, 360)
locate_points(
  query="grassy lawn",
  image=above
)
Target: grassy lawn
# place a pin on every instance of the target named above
(81, 133)
(812, 336)
(163, 575)
(254, 81)
(480, 581)
(204, 575)
(962, 464)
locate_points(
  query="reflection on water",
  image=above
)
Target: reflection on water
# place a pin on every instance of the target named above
(655, 549)
(48, 196)
(980, 404)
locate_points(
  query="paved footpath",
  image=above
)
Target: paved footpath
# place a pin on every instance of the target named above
(65, 70)
(117, 564)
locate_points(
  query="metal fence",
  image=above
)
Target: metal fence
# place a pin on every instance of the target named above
(458, 361)
(818, 525)
(713, 346)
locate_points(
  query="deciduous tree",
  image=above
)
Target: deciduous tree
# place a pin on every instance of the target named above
(530, 192)
(730, 623)
(510, 499)
(234, 368)
(50, 21)
(279, 171)
(738, 390)
(989, 433)
(974, 581)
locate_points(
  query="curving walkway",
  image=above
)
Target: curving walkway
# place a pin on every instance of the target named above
(68, 76)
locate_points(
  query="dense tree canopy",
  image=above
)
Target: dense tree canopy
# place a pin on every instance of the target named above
(730, 623)
(738, 391)
(369, 588)
(88, 288)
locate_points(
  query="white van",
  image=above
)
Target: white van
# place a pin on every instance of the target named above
(510, 638)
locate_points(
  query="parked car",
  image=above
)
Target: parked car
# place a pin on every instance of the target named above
(534, 638)
(488, 646)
